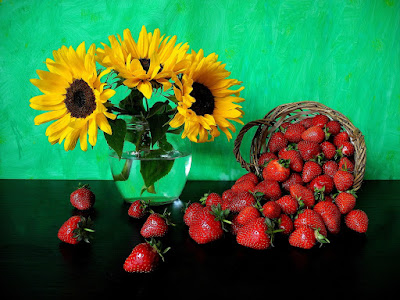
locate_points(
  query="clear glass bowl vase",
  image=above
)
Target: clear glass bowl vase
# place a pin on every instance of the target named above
(154, 173)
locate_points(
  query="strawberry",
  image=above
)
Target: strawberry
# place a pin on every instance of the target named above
(295, 160)
(346, 164)
(288, 204)
(271, 210)
(294, 178)
(328, 149)
(312, 219)
(254, 235)
(313, 134)
(310, 170)
(82, 198)
(137, 209)
(144, 257)
(346, 149)
(330, 215)
(333, 127)
(277, 169)
(305, 237)
(285, 223)
(242, 200)
(211, 199)
(357, 220)
(308, 150)
(235, 226)
(249, 177)
(277, 142)
(303, 195)
(76, 229)
(247, 215)
(343, 180)
(320, 120)
(191, 211)
(156, 225)
(270, 188)
(227, 198)
(345, 201)
(244, 186)
(307, 122)
(293, 132)
(322, 183)
(265, 158)
(207, 226)
(341, 137)
(330, 168)
(284, 126)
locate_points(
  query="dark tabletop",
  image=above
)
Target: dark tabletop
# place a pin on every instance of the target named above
(35, 264)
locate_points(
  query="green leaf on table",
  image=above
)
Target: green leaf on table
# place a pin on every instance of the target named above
(154, 170)
(116, 139)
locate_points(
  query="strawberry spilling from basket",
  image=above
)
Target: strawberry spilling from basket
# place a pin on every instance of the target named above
(301, 183)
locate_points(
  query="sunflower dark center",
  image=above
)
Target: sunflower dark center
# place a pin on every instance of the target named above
(204, 100)
(145, 62)
(79, 99)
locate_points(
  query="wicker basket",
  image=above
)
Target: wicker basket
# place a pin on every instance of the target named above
(297, 111)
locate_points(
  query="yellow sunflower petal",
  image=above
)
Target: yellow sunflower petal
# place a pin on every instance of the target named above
(145, 88)
(50, 116)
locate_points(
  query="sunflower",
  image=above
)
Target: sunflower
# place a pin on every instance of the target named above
(205, 101)
(73, 96)
(152, 60)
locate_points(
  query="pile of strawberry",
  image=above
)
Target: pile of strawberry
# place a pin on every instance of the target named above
(304, 192)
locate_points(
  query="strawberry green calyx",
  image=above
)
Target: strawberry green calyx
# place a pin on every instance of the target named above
(84, 230)
(271, 231)
(320, 238)
(284, 163)
(221, 215)
(165, 215)
(158, 247)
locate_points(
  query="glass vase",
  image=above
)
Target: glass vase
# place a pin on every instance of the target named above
(154, 172)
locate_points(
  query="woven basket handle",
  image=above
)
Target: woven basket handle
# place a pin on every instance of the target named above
(251, 167)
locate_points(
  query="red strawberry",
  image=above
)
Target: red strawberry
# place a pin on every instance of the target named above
(307, 122)
(76, 229)
(322, 183)
(249, 177)
(156, 225)
(346, 164)
(82, 198)
(310, 170)
(357, 220)
(320, 120)
(345, 201)
(211, 199)
(328, 149)
(137, 209)
(277, 170)
(277, 142)
(312, 219)
(330, 168)
(302, 195)
(227, 198)
(270, 188)
(286, 224)
(343, 180)
(288, 204)
(340, 138)
(265, 158)
(346, 148)
(295, 160)
(144, 258)
(333, 127)
(191, 212)
(284, 126)
(308, 150)
(271, 210)
(293, 132)
(235, 226)
(294, 178)
(206, 227)
(244, 186)
(254, 235)
(330, 215)
(247, 215)
(305, 237)
(242, 200)
(314, 134)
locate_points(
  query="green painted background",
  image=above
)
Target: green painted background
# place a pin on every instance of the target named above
(344, 54)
